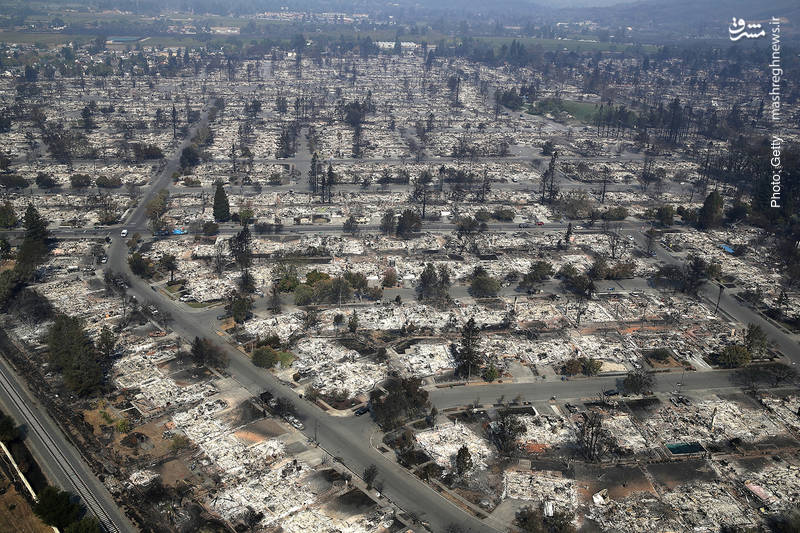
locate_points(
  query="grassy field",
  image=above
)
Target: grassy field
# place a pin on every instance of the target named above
(581, 111)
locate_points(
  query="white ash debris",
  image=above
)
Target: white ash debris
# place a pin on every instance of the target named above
(319, 521)
(639, 513)
(443, 442)
(757, 268)
(786, 409)
(138, 369)
(535, 352)
(394, 317)
(284, 326)
(143, 478)
(73, 295)
(277, 491)
(541, 486)
(688, 423)
(548, 430)
(535, 309)
(625, 434)
(777, 484)
(424, 359)
(704, 505)
(336, 368)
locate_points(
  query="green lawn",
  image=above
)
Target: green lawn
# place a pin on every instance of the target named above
(285, 358)
(581, 111)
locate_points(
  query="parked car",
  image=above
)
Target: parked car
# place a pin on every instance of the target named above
(362, 410)
(524, 225)
(540, 223)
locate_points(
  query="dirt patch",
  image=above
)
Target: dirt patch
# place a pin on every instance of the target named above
(263, 429)
(620, 480)
(14, 509)
(144, 441)
(670, 475)
(174, 472)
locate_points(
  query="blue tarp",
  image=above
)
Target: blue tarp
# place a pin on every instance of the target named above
(177, 231)
(726, 248)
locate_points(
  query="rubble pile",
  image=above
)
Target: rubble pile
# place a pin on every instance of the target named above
(703, 506)
(443, 442)
(625, 434)
(138, 370)
(335, 368)
(424, 359)
(709, 421)
(541, 486)
(785, 409)
(638, 513)
(548, 430)
(318, 521)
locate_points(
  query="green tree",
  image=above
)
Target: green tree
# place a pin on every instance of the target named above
(733, 356)
(695, 274)
(170, 264)
(210, 228)
(246, 216)
(265, 357)
(8, 429)
(139, 265)
(35, 226)
(352, 322)
(275, 299)
(505, 431)
(755, 340)
(222, 208)
(532, 520)
(190, 157)
(538, 272)
(350, 225)
(55, 507)
(389, 277)
(204, 353)
(241, 247)
(156, 208)
(240, 308)
(72, 352)
(665, 215)
(303, 295)
(370, 474)
(8, 218)
(387, 225)
(463, 460)
(590, 366)
(106, 343)
(484, 286)
(467, 356)
(408, 223)
(638, 382)
(80, 181)
(710, 215)
(400, 397)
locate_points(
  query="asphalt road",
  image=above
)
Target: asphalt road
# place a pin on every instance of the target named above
(60, 462)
